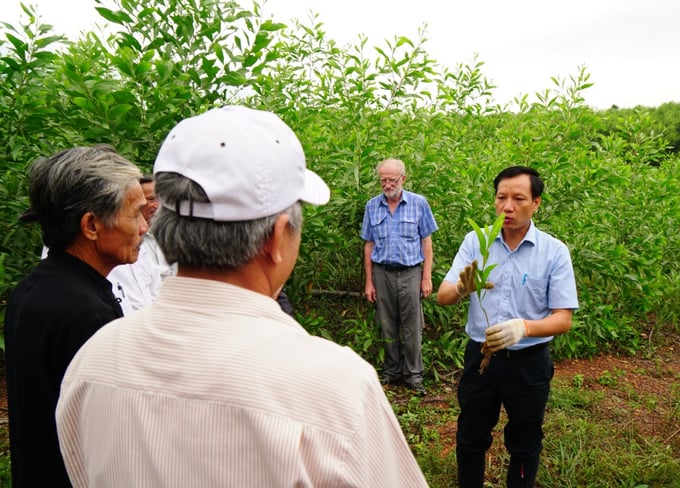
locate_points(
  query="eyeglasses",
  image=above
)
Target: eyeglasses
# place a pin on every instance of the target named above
(391, 181)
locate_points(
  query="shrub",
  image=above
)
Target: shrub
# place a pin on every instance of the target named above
(612, 184)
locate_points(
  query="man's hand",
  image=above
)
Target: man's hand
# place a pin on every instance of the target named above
(505, 334)
(370, 292)
(426, 287)
(466, 280)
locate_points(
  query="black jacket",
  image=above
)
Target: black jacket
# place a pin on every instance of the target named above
(50, 314)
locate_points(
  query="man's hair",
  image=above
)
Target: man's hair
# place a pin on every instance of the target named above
(70, 183)
(537, 184)
(398, 162)
(205, 243)
(145, 178)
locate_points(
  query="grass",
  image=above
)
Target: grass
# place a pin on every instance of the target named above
(594, 436)
(5, 467)
(587, 443)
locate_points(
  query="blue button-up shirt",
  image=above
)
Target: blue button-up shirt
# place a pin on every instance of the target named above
(398, 236)
(530, 281)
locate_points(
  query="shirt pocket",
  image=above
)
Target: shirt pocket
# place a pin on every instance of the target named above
(535, 297)
(408, 230)
(379, 228)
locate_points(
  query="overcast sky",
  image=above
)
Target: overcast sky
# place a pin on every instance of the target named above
(631, 48)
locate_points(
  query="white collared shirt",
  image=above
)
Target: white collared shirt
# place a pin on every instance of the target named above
(135, 285)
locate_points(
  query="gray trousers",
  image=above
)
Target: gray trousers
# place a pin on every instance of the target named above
(400, 316)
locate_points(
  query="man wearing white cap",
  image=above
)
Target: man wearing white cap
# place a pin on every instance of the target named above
(213, 384)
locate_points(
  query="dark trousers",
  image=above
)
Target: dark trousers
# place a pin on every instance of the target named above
(399, 313)
(518, 380)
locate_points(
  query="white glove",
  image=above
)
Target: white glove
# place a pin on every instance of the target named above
(505, 334)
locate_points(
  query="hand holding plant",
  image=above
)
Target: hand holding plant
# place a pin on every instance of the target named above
(466, 280)
(505, 334)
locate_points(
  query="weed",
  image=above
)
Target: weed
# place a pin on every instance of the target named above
(577, 380)
(607, 379)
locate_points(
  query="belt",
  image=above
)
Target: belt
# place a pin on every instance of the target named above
(395, 267)
(527, 351)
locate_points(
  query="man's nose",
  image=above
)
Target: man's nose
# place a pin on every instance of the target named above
(143, 225)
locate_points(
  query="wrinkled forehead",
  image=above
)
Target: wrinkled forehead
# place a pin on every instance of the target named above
(515, 184)
(134, 198)
(389, 169)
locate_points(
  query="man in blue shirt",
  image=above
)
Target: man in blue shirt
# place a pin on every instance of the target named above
(397, 230)
(532, 300)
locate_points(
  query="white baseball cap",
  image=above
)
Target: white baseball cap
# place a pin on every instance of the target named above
(249, 163)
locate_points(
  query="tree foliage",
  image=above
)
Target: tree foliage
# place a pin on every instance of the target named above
(612, 176)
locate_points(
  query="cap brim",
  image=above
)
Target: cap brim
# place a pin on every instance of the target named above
(315, 191)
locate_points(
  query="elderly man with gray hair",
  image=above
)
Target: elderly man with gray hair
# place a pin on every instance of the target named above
(89, 203)
(213, 385)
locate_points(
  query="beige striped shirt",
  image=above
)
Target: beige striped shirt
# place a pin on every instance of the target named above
(213, 385)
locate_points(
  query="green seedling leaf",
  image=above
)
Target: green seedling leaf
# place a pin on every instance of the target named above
(486, 272)
(486, 237)
(497, 226)
(480, 236)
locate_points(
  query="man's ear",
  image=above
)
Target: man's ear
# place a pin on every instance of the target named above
(89, 226)
(277, 240)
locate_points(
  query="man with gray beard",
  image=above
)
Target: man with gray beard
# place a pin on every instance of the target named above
(397, 230)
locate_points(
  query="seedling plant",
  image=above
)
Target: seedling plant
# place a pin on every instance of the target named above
(486, 237)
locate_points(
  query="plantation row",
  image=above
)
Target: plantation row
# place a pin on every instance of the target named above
(612, 177)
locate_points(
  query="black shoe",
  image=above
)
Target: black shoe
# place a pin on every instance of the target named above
(386, 380)
(417, 388)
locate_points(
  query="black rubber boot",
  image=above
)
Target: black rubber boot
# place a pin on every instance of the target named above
(471, 469)
(522, 472)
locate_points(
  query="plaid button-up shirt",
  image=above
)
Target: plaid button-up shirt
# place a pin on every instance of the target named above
(398, 236)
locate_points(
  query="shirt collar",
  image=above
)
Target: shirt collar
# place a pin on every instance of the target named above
(530, 236)
(404, 197)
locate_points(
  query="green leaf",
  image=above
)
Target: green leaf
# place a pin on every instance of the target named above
(118, 111)
(262, 40)
(19, 45)
(118, 17)
(142, 68)
(130, 41)
(83, 103)
(480, 236)
(486, 272)
(122, 65)
(46, 41)
(271, 26)
(219, 52)
(497, 226)
(234, 78)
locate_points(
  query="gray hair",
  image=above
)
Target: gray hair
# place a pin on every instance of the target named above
(398, 162)
(70, 183)
(205, 243)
